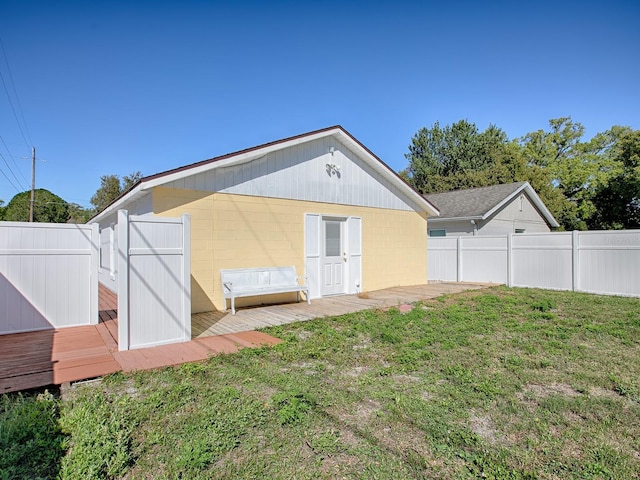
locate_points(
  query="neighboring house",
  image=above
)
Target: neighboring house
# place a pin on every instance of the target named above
(320, 201)
(495, 210)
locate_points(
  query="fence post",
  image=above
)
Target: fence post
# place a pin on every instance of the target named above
(509, 260)
(186, 276)
(95, 265)
(459, 257)
(575, 259)
(123, 280)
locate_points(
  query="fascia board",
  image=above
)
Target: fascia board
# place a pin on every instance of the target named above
(456, 219)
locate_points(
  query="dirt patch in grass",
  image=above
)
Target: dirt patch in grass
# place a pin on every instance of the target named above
(405, 379)
(356, 372)
(603, 393)
(482, 425)
(542, 391)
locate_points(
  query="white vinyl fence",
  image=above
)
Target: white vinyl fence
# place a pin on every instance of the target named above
(48, 276)
(606, 262)
(153, 280)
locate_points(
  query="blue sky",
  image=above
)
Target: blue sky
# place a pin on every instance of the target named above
(115, 87)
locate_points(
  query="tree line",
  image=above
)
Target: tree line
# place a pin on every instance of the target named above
(49, 207)
(586, 184)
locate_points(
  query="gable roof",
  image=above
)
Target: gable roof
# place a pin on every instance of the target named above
(481, 203)
(145, 184)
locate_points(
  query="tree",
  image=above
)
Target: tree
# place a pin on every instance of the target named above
(79, 214)
(460, 156)
(111, 187)
(449, 153)
(578, 168)
(47, 207)
(2, 210)
(617, 204)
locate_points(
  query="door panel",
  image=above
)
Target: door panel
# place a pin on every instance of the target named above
(333, 258)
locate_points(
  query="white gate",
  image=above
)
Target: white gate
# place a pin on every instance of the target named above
(48, 276)
(154, 280)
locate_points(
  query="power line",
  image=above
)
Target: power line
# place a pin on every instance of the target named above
(14, 162)
(15, 92)
(15, 115)
(9, 167)
(5, 175)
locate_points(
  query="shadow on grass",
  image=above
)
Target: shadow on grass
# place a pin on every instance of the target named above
(31, 442)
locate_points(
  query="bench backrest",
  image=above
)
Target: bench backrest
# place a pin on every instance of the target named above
(260, 277)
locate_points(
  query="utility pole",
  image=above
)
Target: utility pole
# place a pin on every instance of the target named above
(33, 182)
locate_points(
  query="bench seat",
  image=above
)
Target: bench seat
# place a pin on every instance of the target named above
(249, 282)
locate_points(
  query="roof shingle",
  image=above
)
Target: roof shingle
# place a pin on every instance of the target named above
(473, 202)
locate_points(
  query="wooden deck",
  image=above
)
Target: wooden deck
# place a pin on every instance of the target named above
(222, 323)
(38, 359)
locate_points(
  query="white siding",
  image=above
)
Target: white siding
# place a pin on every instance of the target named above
(453, 228)
(48, 276)
(300, 173)
(510, 218)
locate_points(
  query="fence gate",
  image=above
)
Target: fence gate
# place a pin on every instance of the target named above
(154, 280)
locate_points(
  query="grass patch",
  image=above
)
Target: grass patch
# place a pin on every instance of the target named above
(498, 383)
(31, 441)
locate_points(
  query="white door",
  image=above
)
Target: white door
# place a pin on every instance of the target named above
(333, 256)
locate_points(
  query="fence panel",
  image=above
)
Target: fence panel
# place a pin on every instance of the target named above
(609, 262)
(154, 281)
(605, 262)
(442, 259)
(48, 276)
(542, 260)
(483, 259)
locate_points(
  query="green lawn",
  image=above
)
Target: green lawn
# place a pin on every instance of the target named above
(498, 383)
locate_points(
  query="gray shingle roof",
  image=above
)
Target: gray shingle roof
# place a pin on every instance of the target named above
(473, 202)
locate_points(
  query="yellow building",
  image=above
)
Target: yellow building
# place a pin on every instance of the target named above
(320, 201)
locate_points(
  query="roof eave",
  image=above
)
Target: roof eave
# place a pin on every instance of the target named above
(250, 154)
(458, 219)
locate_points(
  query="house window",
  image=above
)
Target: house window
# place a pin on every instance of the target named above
(521, 205)
(438, 233)
(520, 230)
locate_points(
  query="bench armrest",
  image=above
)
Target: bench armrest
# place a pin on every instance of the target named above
(303, 277)
(228, 286)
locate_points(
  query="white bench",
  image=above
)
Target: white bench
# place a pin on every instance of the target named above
(249, 282)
